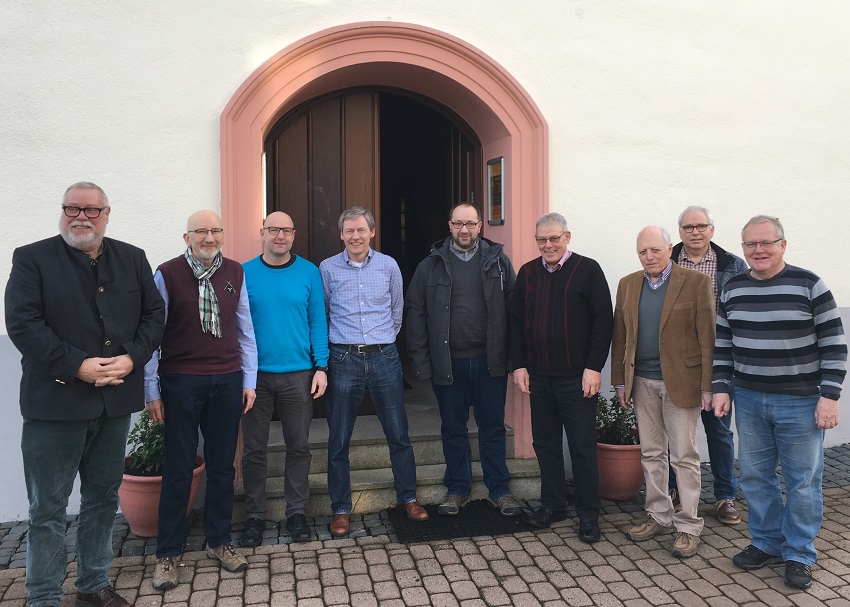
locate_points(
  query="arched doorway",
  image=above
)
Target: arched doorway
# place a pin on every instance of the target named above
(405, 158)
(410, 57)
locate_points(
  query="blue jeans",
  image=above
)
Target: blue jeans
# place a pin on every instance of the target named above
(721, 453)
(213, 402)
(780, 429)
(53, 453)
(349, 375)
(473, 386)
(558, 405)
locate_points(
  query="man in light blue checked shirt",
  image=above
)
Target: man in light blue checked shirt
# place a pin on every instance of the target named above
(364, 299)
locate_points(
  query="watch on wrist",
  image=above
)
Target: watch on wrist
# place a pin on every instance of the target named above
(320, 368)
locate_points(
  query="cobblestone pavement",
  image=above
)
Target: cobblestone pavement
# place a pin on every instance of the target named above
(548, 567)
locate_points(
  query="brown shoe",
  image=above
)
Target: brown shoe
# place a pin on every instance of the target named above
(340, 524)
(415, 512)
(727, 513)
(105, 597)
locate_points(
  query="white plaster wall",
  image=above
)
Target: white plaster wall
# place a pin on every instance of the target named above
(652, 105)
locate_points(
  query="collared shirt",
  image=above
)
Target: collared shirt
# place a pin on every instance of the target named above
(464, 255)
(365, 304)
(658, 282)
(707, 265)
(244, 333)
(558, 265)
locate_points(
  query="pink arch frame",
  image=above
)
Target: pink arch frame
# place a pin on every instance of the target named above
(415, 58)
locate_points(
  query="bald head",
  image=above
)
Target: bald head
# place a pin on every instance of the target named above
(200, 219)
(654, 249)
(278, 235)
(200, 238)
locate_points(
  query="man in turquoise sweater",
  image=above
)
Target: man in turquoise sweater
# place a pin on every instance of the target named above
(288, 309)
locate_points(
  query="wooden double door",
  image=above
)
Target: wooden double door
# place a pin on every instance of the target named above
(405, 158)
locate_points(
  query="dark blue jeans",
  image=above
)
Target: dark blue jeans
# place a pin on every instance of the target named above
(721, 453)
(213, 402)
(473, 386)
(53, 453)
(558, 405)
(349, 374)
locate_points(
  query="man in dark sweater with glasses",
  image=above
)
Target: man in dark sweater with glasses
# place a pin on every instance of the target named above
(561, 322)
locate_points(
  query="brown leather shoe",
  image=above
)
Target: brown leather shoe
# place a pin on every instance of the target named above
(727, 513)
(105, 597)
(340, 524)
(415, 512)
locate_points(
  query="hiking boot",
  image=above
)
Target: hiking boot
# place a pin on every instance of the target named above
(727, 513)
(753, 558)
(452, 504)
(685, 545)
(252, 535)
(230, 560)
(646, 530)
(165, 573)
(297, 526)
(798, 575)
(674, 497)
(508, 505)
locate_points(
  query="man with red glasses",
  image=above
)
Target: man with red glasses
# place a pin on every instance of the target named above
(85, 314)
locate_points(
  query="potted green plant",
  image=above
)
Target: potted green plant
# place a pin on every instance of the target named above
(617, 449)
(140, 490)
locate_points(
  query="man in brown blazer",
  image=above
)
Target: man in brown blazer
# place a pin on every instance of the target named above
(661, 362)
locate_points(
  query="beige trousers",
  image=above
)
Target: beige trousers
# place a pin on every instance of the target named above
(663, 427)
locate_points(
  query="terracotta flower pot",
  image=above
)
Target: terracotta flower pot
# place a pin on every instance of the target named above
(620, 472)
(139, 497)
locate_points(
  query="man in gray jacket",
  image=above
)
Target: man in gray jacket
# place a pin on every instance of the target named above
(457, 335)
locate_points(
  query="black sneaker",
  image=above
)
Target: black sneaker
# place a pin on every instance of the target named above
(297, 526)
(543, 517)
(252, 535)
(798, 575)
(753, 558)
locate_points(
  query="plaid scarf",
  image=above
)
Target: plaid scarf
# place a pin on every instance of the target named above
(207, 301)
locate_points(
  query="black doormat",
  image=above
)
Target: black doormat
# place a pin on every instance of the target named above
(477, 518)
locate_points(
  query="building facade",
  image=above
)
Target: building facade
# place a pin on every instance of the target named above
(616, 114)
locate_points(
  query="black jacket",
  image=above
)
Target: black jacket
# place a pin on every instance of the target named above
(63, 307)
(428, 301)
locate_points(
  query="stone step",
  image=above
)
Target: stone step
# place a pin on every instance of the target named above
(372, 490)
(369, 448)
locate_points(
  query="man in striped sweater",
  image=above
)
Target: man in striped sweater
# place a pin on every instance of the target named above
(780, 352)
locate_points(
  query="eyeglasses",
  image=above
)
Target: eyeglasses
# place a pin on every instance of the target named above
(700, 227)
(203, 232)
(274, 231)
(90, 212)
(764, 244)
(469, 225)
(542, 240)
